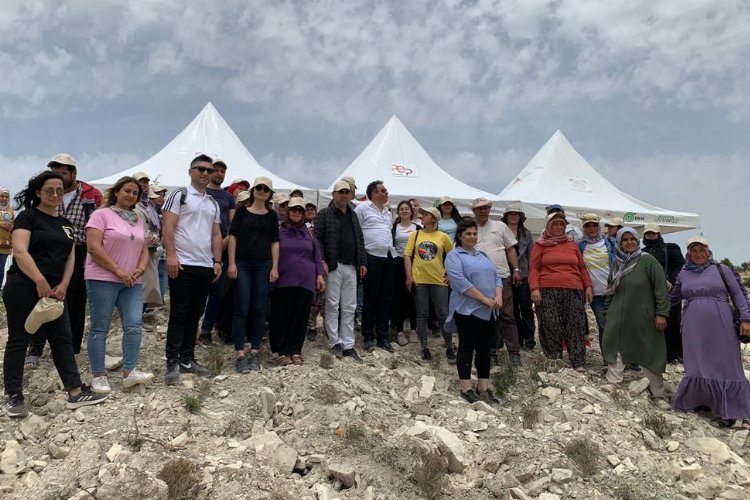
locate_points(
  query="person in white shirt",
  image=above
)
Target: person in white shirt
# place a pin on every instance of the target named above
(376, 221)
(498, 242)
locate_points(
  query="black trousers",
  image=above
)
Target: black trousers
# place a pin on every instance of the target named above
(523, 310)
(475, 337)
(76, 298)
(188, 293)
(378, 291)
(402, 306)
(506, 333)
(20, 297)
(290, 310)
(673, 333)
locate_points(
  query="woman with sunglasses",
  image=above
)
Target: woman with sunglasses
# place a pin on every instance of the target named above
(300, 276)
(254, 263)
(43, 258)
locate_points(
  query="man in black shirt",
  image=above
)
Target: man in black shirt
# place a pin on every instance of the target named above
(344, 261)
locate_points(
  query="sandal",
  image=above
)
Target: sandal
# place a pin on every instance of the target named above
(297, 359)
(284, 361)
(723, 423)
(745, 425)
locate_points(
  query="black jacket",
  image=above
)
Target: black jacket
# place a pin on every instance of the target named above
(327, 229)
(669, 256)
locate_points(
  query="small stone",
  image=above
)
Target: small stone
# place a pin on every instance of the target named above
(428, 384)
(562, 476)
(13, 459)
(596, 394)
(551, 393)
(79, 416)
(112, 363)
(344, 473)
(737, 441)
(538, 485)
(180, 439)
(690, 473)
(316, 458)
(672, 446)
(527, 473)
(613, 460)
(223, 394)
(650, 439)
(548, 496)
(221, 378)
(268, 402)
(717, 451)
(58, 452)
(113, 452)
(33, 426)
(519, 494)
(482, 406)
(638, 386)
(733, 493)
(587, 410)
(188, 384)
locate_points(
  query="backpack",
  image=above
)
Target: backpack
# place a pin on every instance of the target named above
(183, 197)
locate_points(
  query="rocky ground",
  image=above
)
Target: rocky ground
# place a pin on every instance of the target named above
(393, 428)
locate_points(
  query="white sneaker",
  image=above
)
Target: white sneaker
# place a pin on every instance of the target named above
(136, 377)
(100, 385)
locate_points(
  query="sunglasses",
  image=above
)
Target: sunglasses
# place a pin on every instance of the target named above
(204, 170)
(50, 191)
(262, 188)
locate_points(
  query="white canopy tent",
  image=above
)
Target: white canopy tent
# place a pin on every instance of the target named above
(559, 174)
(208, 133)
(395, 157)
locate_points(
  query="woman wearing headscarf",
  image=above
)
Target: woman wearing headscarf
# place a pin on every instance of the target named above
(670, 257)
(636, 308)
(560, 286)
(6, 226)
(523, 308)
(714, 376)
(449, 217)
(300, 275)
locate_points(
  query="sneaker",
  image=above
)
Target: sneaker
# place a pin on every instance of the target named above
(204, 339)
(312, 335)
(413, 337)
(426, 354)
(136, 377)
(369, 345)
(15, 406)
(634, 367)
(337, 351)
(450, 355)
(32, 361)
(516, 360)
(172, 375)
(351, 353)
(85, 398)
(489, 397)
(100, 385)
(253, 361)
(470, 396)
(401, 339)
(241, 365)
(194, 368)
(385, 345)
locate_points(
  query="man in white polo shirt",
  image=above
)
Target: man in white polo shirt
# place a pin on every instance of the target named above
(498, 242)
(376, 221)
(192, 241)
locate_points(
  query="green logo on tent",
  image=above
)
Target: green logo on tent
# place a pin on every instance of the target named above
(629, 217)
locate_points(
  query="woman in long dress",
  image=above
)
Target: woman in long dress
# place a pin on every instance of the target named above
(714, 377)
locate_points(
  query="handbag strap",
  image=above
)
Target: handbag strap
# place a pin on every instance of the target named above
(726, 285)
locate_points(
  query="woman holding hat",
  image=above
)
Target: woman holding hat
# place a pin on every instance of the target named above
(523, 309)
(424, 266)
(449, 217)
(6, 226)
(599, 254)
(637, 307)
(560, 286)
(714, 376)
(670, 257)
(300, 276)
(254, 262)
(42, 266)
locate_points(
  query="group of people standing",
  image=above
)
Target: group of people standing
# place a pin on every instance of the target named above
(269, 256)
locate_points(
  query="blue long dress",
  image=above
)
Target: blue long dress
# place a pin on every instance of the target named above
(713, 363)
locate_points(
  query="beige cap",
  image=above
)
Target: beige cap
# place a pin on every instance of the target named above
(350, 180)
(615, 221)
(310, 203)
(219, 160)
(296, 202)
(700, 240)
(243, 196)
(513, 207)
(560, 215)
(446, 199)
(46, 309)
(341, 185)
(478, 203)
(280, 198)
(156, 188)
(152, 194)
(590, 217)
(651, 228)
(432, 211)
(62, 159)
(262, 180)
(239, 180)
(140, 175)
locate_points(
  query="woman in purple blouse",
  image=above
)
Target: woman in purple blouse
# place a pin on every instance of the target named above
(300, 276)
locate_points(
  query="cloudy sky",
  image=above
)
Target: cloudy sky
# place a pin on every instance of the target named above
(654, 94)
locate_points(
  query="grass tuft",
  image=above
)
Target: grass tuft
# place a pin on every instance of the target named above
(328, 394)
(659, 424)
(193, 404)
(585, 454)
(215, 359)
(504, 378)
(179, 474)
(530, 414)
(430, 475)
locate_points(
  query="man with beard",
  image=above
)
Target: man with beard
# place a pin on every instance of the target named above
(226, 208)
(671, 259)
(79, 202)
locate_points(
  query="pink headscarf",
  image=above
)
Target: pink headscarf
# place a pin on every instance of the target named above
(546, 239)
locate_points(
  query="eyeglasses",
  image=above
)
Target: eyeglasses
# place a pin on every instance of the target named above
(204, 170)
(262, 188)
(50, 191)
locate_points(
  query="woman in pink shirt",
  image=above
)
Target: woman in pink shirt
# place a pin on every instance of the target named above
(117, 258)
(560, 286)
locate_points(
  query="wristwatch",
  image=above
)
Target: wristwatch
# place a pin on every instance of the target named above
(217, 262)
(516, 270)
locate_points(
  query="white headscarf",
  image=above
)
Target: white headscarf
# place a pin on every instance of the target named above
(4, 206)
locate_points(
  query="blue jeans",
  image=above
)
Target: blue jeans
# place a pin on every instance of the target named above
(250, 295)
(163, 279)
(597, 306)
(104, 296)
